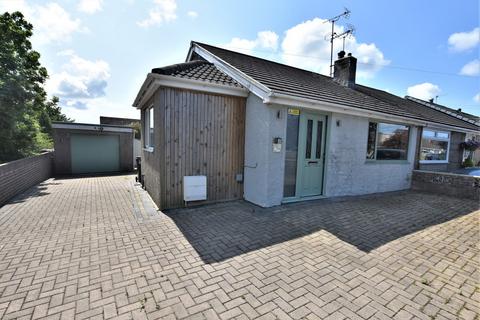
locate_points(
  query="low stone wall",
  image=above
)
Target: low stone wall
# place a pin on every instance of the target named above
(451, 184)
(19, 175)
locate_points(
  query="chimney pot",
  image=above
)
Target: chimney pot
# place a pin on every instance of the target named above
(345, 69)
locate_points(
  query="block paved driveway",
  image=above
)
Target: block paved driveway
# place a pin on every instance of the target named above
(97, 248)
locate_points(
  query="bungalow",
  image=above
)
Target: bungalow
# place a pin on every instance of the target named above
(225, 125)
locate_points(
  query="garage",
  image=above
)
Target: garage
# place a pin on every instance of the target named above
(94, 153)
(92, 149)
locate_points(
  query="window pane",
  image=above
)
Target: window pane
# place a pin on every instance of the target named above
(428, 134)
(318, 147)
(372, 137)
(433, 150)
(291, 152)
(146, 128)
(308, 152)
(442, 135)
(151, 140)
(392, 142)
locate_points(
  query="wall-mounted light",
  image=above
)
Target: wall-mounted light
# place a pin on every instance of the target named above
(339, 123)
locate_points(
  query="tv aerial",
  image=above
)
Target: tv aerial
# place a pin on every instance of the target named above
(347, 33)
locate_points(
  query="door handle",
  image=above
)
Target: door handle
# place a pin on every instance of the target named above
(312, 162)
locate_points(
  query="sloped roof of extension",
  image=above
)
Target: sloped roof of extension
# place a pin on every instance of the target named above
(303, 84)
(198, 70)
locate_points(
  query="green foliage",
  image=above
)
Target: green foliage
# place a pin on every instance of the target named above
(25, 113)
(468, 163)
(137, 128)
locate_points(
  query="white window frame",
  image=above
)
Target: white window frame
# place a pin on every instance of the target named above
(436, 138)
(146, 129)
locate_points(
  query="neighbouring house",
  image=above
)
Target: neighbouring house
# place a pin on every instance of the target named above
(458, 113)
(271, 133)
(82, 148)
(135, 124)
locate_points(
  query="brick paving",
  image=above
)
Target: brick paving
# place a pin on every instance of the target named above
(97, 248)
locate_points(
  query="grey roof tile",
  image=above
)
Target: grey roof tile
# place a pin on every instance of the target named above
(197, 70)
(306, 84)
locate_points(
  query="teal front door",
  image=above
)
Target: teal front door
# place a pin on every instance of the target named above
(94, 153)
(311, 155)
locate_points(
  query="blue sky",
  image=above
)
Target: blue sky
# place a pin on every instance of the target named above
(99, 52)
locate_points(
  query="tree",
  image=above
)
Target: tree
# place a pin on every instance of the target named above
(25, 113)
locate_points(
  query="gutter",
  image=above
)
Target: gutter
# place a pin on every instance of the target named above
(284, 99)
(154, 81)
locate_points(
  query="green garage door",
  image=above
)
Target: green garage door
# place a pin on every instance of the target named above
(94, 153)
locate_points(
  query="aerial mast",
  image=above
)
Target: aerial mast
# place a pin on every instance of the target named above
(333, 35)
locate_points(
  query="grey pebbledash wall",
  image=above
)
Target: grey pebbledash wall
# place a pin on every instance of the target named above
(17, 176)
(348, 173)
(263, 182)
(457, 185)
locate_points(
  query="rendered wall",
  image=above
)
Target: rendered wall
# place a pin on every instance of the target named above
(348, 172)
(263, 182)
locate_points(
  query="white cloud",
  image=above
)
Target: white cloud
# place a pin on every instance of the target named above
(265, 40)
(162, 11)
(51, 22)
(307, 46)
(463, 41)
(92, 109)
(192, 14)
(471, 69)
(79, 81)
(90, 6)
(476, 98)
(424, 91)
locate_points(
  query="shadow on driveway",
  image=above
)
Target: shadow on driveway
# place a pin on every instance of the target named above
(222, 231)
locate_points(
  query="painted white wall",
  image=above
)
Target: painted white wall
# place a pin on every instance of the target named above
(348, 172)
(263, 175)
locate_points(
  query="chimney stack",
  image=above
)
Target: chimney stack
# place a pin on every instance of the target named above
(345, 69)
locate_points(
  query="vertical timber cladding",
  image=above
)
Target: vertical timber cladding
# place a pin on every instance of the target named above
(202, 134)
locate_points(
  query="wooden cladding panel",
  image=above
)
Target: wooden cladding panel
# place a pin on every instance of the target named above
(202, 134)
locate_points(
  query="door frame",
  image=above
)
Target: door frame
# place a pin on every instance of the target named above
(326, 145)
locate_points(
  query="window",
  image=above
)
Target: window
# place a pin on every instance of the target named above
(387, 141)
(434, 147)
(148, 127)
(291, 151)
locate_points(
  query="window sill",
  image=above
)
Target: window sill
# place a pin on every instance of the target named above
(387, 162)
(148, 149)
(433, 161)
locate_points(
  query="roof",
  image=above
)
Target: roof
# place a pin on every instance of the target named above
(90, 126)
(118, 121)
(424, 112)
(198, 70)
(295, 82)
(458, 113)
